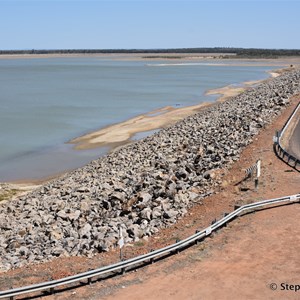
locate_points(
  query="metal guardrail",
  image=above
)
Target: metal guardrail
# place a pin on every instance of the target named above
(149, 257)
(278, 148)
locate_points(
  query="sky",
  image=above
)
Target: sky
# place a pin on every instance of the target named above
(148, 24)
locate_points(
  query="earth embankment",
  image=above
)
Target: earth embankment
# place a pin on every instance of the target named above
(142, 187)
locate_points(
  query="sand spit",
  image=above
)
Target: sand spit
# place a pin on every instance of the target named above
(232, 91)
(121, 133)
(142, 187)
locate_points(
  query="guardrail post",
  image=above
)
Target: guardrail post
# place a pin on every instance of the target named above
(236, 206)
(197, 241)
(152, 258)
(225, 215)
(123, 270)
(212, 223)
(90, 280)
(256, 183)
(11, 298)
(177, 250)
(51, 290)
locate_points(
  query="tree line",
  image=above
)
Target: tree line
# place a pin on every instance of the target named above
(239, 52)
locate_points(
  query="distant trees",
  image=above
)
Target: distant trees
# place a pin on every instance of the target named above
(267, 52)
(239, 52)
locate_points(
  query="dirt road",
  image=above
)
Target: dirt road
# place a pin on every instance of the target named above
(239, 262)
(294, 145)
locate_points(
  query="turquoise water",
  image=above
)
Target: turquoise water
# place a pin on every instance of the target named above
(47, 101)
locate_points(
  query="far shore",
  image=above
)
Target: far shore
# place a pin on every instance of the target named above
(230, 59)
(122, 56)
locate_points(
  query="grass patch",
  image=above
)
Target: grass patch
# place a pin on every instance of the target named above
(8, 194)
(174, 239)
(139, 243)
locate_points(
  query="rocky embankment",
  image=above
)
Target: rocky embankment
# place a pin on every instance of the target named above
(143, 186)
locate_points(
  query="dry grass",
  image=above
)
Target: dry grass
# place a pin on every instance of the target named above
(8, 194)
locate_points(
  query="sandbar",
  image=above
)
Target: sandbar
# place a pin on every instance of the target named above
(232, 91)
(121, 133)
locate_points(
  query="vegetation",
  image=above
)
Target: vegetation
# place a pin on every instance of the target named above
(8, 194)
(140, 243)
(163, 57)
(239, 52)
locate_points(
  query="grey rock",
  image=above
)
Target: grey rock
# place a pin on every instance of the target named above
(23, 251)
(146, 213)
(85, 231)
(169, 214)
(144, 196)
(135, 231)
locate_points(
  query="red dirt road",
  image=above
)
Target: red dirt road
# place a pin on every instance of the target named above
(294, 144)
(240, 262)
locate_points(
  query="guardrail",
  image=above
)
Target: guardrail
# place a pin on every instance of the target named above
(291, 160)
(149, 257)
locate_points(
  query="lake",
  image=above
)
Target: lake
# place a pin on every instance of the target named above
(45, 102)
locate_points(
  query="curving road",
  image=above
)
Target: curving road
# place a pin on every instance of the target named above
(294, 141)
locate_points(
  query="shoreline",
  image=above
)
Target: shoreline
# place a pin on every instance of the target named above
(230, 91)
(117, 135)
(172, 56)
(124, 56)
(165, 116)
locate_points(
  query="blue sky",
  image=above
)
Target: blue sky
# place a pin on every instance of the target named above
(118, 24)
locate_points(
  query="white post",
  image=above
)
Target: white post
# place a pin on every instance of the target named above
(258, 165)
(258, 172)
(121, 242)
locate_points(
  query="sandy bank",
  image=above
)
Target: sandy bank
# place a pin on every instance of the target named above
(121, 133)
(232, 91)
(9, 191)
